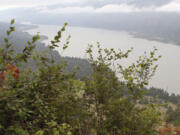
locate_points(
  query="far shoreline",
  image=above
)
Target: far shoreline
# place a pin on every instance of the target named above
(131, 33)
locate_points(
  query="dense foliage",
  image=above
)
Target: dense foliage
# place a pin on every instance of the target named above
(173, 116)
(47, 100)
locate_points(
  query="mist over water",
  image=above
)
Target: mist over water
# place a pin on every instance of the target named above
(167, 75)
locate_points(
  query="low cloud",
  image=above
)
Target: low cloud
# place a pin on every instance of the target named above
(84, 6)
(111, 8)
(115, 8)
(67, 10)
(9, 4)
(171, 7)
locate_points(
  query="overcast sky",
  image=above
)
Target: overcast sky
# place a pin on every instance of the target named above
(93, 6)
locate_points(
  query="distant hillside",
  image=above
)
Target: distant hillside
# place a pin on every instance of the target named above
(163, 95)
(169, 104)
(19, 39)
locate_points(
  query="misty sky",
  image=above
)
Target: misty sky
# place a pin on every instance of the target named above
(92, 6)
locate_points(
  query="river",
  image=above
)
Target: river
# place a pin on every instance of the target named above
(167, 75)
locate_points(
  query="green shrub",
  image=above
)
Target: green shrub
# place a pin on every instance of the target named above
(49, 100)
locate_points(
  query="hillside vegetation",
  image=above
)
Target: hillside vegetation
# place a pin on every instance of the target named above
(44, 98)
(20, 38)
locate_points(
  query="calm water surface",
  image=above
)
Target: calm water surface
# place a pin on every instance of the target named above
(168, 74)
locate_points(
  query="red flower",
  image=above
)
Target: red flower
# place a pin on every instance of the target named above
(16, 70)
(2, 75)
(13, 67)
(16, 75)
(8, 66)
(13, 70)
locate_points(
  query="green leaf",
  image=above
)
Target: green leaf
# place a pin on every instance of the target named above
(12, 21)
(65, 24)
(40, 132)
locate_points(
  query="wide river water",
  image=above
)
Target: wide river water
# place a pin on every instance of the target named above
(168, 73)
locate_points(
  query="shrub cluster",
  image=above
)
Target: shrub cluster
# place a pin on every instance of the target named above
(48, 100)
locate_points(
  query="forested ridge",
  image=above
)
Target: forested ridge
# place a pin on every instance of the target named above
(163, 95)
(42, 94)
